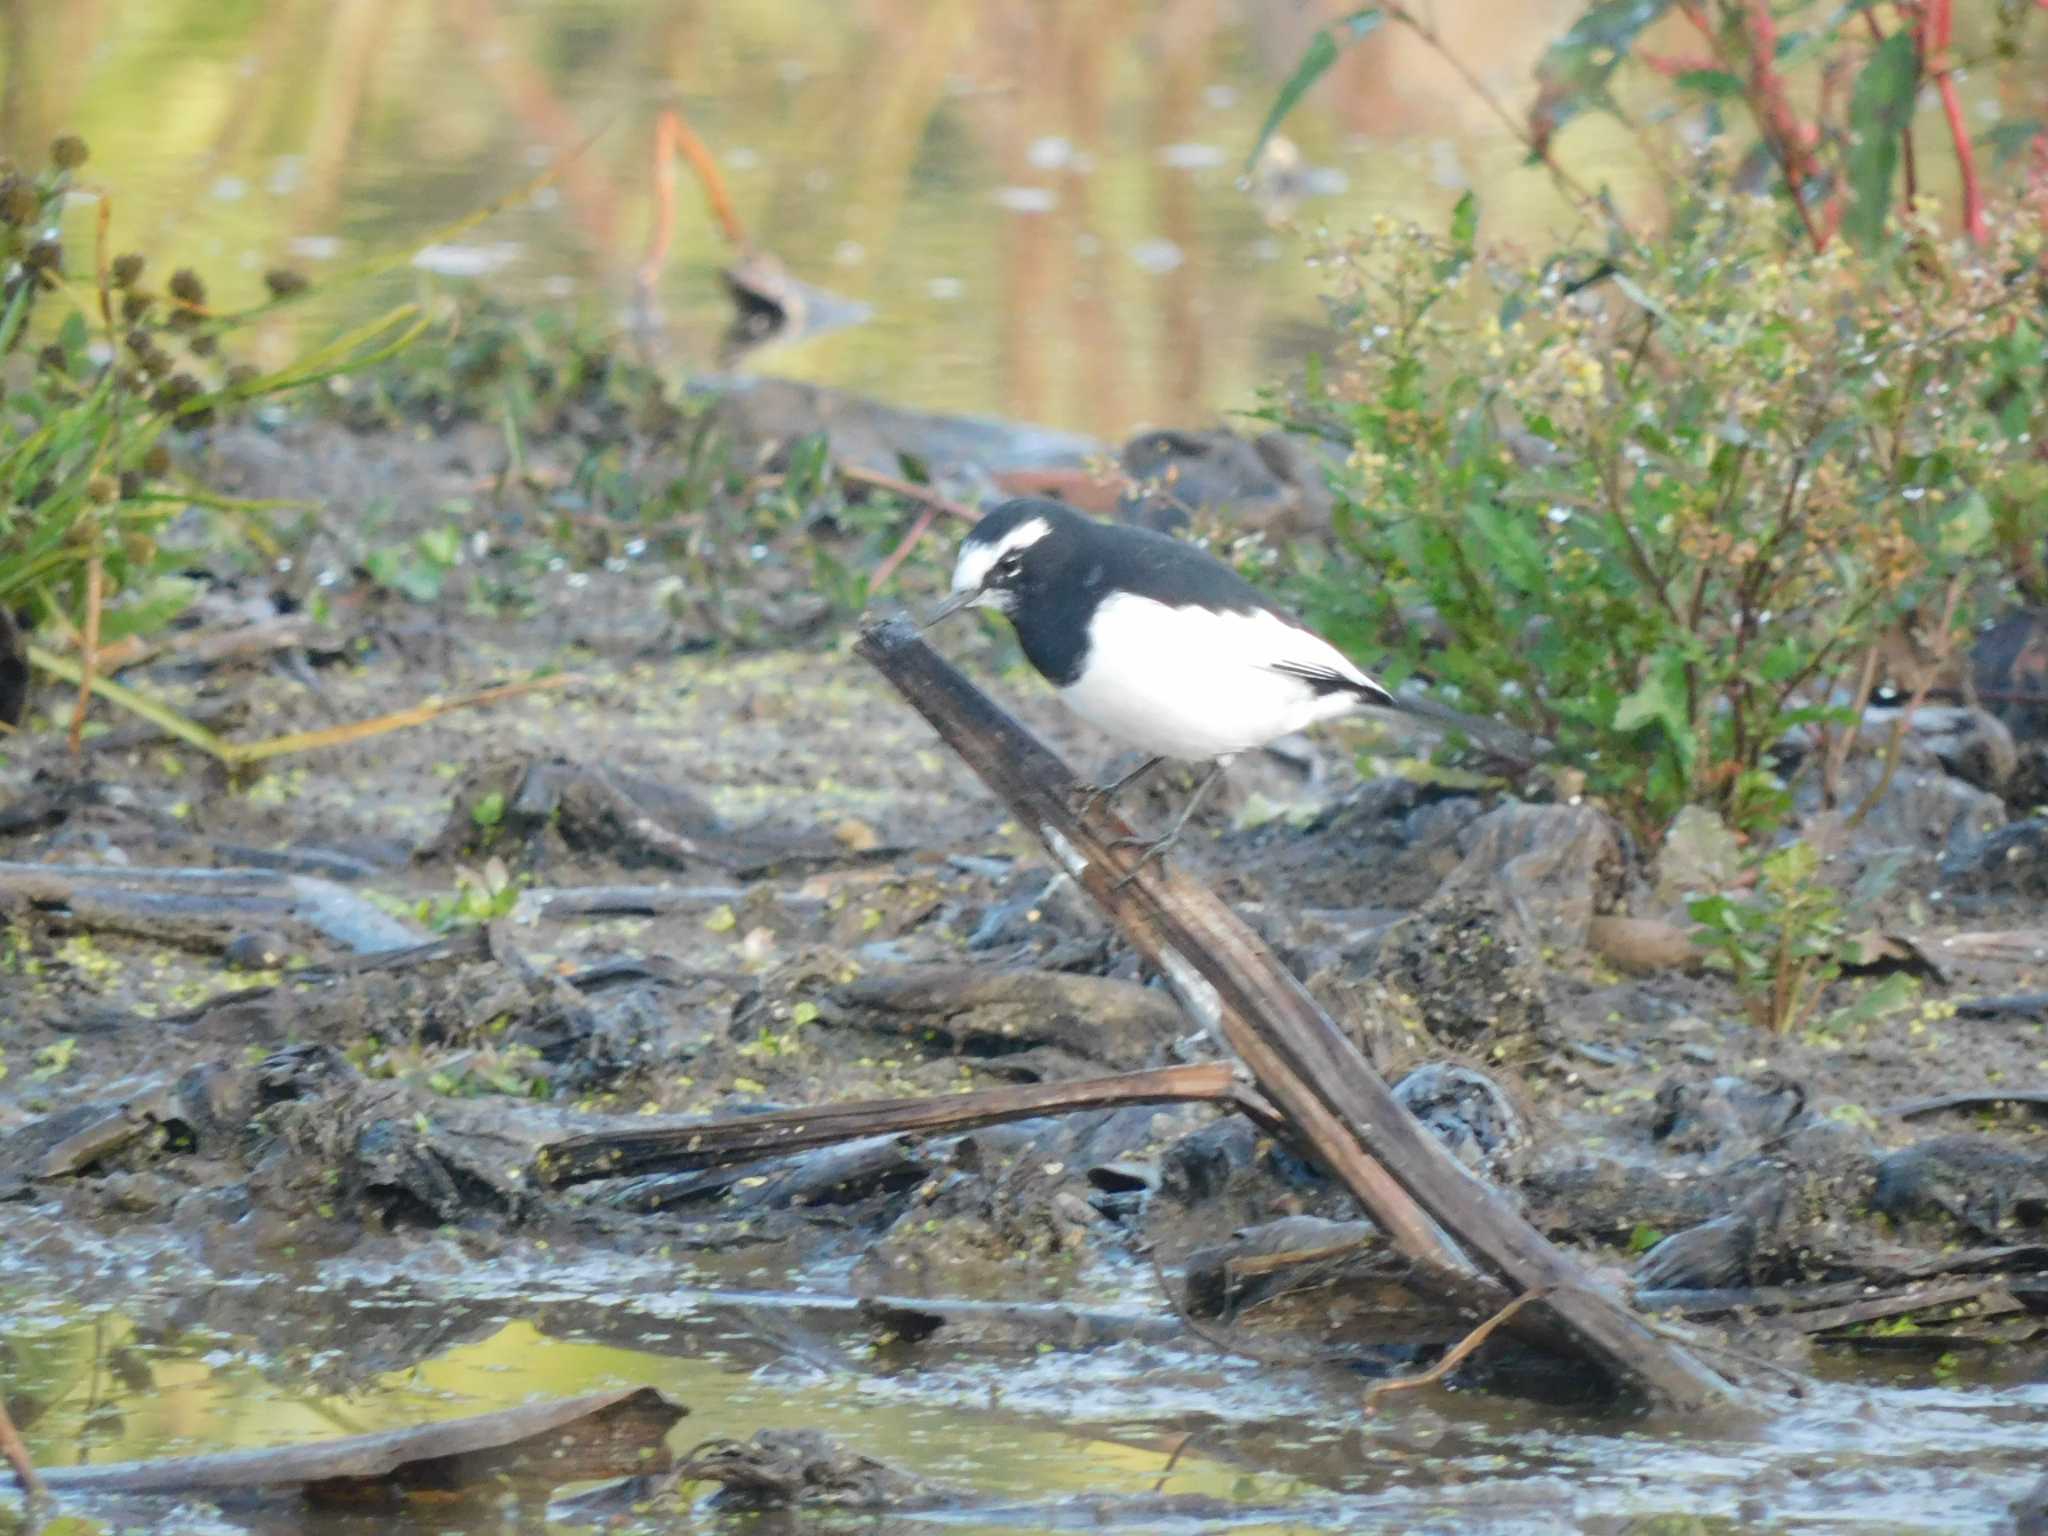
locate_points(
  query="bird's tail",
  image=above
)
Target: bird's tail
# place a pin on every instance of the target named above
(1496, 739)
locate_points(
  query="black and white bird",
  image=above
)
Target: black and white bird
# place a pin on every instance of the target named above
(1155, 643)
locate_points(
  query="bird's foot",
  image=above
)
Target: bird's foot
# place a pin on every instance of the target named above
(1086, 799)
(1154, 848)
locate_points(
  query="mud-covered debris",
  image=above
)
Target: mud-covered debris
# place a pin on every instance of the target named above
(2013, 860)
(206, 1112)
(388, 1153)
(1011, 1195)
(1040, 911)
(1807, 1201)
(1727, 1116)
(538, 1445)
(1643, 946)
(784, 1468)
(773, 306)
(1473, 974)
(206, 908)
(1259, 1261)
(993, 1015)
(1722, 1252)
(1922, 809)
(2009, 668)
(1973, 744)
(541, 808)
(1269, 482)
(2030, 1512)
(832, 1176)
(1700, 854)
(1553, 866)
(762, 416)
(1468, 1112)
(1971, 1186)
(1394, 840)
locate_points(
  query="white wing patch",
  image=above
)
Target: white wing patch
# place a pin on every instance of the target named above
(977, 560)
(1195, 683)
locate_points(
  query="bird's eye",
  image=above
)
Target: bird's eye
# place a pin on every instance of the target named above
(1009, 565)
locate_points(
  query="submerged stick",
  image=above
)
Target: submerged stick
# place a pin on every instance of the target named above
(15, 1454)
(673, 1147)
(1460, 1236)
(566, 1440)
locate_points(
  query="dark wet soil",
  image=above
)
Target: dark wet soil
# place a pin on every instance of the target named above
(724, 869)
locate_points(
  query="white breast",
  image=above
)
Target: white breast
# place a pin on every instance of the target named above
(1195, 683)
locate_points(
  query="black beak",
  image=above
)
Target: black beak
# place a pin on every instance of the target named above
(951, 606)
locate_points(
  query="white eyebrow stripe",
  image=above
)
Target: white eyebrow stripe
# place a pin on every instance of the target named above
(977, 560)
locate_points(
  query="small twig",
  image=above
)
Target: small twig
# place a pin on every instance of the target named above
(1836, 747)
(909, 490)
(1910, 1109)
(673, 135)
(1519, 131)
(16, 1454)
(901, 552)
(1453, 1356)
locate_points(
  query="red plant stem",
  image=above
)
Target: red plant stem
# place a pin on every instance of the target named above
(1937, 36)
(1791, 139)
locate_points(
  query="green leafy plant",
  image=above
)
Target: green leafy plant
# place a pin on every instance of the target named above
(102, 364)
(480, 896)
(1779, 942)
(419, 568)
(1785, 940)
(1838, 159)
(1668, 506)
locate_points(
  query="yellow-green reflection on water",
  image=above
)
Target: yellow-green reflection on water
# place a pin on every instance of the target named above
(1040, 202)
(182, 1403)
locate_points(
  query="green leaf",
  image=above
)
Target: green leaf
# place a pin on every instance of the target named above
(1464, 236)
(810, 460)
(1573, 73)
(1660, 700)
(1888, 996)
(1316, 60)
(1879, 114)
(150, 609)
(1717, 84)
(2011, 138)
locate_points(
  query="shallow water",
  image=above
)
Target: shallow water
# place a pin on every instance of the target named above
(348, 1347)
(1041, 204)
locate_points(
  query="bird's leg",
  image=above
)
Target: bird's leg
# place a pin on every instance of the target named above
(1155, 847)
(1088, 797)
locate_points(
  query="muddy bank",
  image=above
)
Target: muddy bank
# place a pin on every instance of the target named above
(334, 1014)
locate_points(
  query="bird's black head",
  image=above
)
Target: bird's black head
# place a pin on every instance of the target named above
(1013, 552)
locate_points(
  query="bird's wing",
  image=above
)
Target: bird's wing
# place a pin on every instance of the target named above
(1324, 678)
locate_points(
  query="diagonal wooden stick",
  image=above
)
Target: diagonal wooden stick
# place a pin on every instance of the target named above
(1462, 1238)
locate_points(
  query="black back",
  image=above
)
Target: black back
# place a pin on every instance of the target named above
(1065, 576)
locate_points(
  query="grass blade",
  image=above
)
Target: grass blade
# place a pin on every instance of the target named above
(1316, 60)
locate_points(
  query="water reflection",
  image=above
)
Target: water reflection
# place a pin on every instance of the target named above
(1285, 1448)
(1040, 201)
